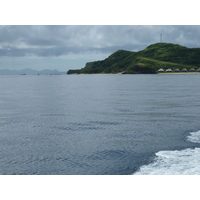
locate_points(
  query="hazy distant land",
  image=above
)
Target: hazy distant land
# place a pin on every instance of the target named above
(29, 71)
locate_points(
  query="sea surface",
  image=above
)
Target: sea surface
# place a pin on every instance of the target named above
(100, 124)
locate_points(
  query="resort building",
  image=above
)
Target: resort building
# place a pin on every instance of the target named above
(161, 70)
(169, 70)
(192, 70)
(177, 70)
(184, 70)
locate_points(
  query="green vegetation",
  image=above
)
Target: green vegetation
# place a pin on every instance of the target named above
(147, 61)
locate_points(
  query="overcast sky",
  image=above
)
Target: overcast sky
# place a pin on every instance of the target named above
(71, 46)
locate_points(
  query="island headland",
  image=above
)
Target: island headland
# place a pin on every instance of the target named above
(156, 58)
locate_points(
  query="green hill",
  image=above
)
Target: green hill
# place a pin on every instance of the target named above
(147, 61)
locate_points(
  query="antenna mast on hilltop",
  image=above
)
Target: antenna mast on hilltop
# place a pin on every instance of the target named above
(160, 38)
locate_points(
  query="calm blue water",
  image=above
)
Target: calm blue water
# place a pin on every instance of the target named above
(95, 124)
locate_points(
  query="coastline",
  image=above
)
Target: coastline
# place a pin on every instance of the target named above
(179, 73)
(136, 74)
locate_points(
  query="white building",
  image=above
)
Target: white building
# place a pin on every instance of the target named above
(161, 70)
(184, 70)
(177, 70)
(169, 70)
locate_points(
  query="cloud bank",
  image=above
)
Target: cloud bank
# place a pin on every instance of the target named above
(82, 43)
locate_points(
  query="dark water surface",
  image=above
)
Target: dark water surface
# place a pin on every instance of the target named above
(94, 124)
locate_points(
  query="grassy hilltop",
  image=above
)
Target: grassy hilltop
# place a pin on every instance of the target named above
(147, 61)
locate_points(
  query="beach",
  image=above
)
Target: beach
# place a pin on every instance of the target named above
(180, 73)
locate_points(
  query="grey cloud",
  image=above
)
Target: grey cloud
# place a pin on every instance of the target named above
(45, 41)
(186, 35)
(57, 51)
(92, 36)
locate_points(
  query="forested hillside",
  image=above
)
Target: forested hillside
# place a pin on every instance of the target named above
(147, 61)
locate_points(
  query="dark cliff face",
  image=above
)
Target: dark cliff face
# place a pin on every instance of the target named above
(149, 60)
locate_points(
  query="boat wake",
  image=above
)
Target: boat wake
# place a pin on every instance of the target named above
(178, 162)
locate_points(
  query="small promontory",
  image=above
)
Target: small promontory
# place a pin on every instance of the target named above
(147, 61)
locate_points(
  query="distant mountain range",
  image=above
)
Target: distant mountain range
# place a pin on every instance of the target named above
(148, 61)
(29, 71)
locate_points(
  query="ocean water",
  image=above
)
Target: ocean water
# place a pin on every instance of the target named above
(100, 124)
(177, 162)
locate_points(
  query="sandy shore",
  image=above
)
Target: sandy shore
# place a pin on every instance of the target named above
(157, 73)
(180, 73)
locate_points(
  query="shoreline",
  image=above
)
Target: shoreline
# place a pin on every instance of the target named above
(179, 73)
(121, 73)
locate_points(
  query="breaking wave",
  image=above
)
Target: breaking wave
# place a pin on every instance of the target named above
(178, 162)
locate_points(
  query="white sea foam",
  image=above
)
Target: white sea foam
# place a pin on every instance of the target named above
(183, 162)
(194, 137)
